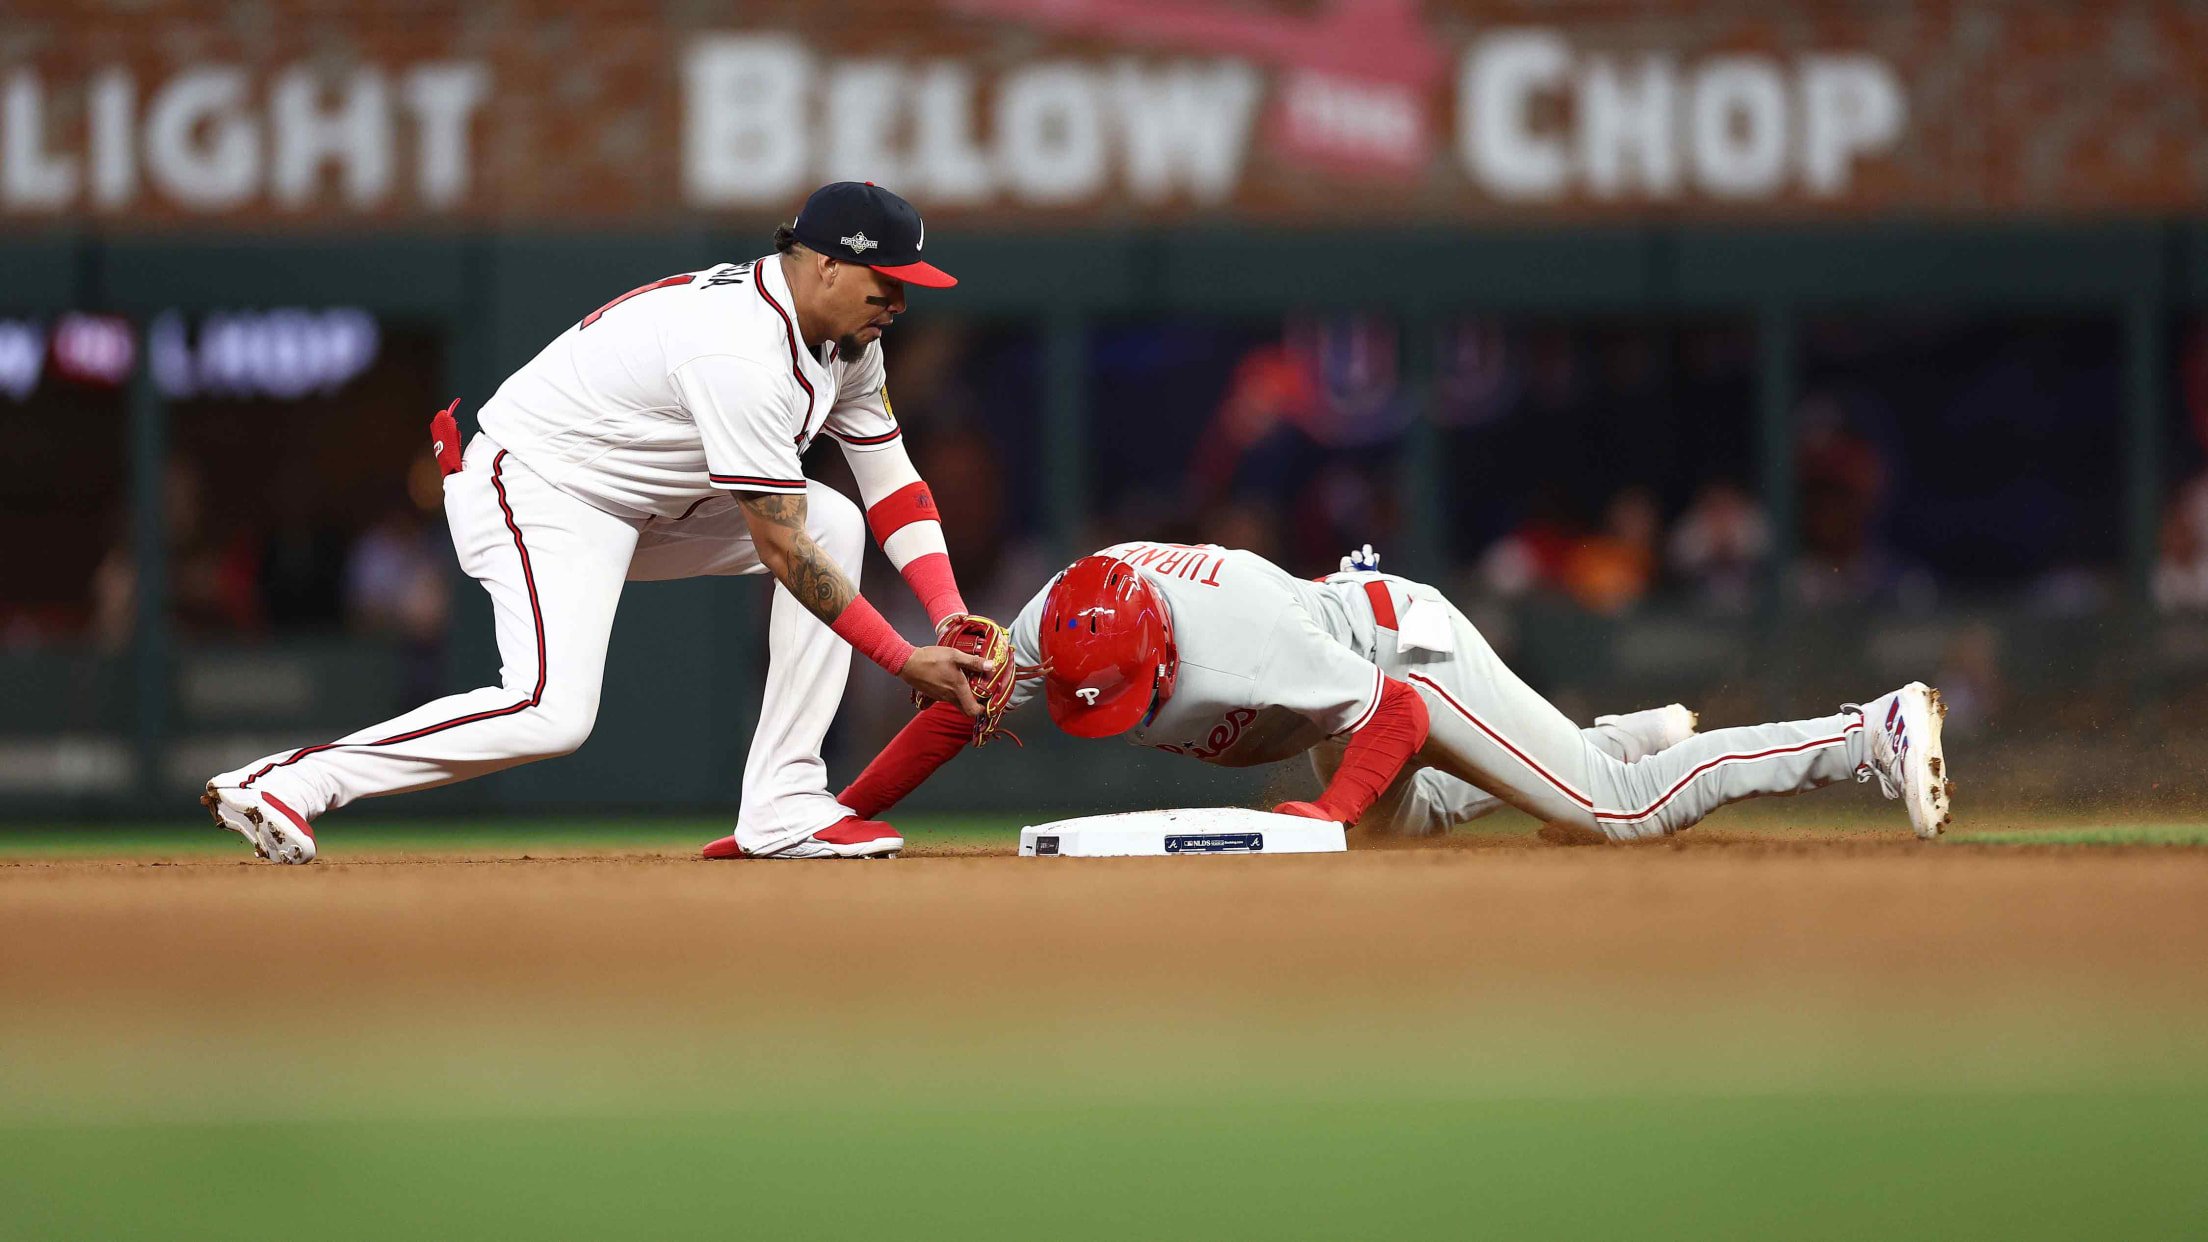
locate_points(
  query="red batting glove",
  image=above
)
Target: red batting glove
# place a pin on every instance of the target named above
(1307, 810)
(444, 439)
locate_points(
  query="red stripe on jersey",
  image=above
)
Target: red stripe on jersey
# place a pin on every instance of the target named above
(797, 368)
(746, 480)
(596, 315)
(883, 438)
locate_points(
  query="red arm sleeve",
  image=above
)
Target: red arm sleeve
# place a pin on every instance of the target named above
(906, 526)
(911, 757)
(1376, 753)
(936, 586)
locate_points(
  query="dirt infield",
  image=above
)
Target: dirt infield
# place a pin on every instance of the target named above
(1855, 924)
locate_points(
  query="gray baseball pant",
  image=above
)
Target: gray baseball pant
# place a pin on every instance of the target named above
(1492, 732)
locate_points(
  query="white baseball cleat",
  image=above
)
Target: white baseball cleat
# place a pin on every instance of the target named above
(849, 837)
(1657, 728)
(1905, 754)
(1674, 724)
(272, 828)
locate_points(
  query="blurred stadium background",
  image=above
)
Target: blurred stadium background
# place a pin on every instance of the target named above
(1755, 357)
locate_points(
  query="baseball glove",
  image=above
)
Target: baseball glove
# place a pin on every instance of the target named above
(985, 638)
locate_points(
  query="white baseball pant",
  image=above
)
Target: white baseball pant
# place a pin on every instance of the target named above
(1491, 732)
(554, 567)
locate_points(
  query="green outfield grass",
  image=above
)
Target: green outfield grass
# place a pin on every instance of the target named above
(2093, 834)
(2007, 1167)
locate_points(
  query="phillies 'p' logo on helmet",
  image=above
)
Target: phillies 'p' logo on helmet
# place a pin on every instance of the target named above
(1107, 646)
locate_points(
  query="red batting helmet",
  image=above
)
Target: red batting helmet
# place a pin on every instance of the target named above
(1108, 649)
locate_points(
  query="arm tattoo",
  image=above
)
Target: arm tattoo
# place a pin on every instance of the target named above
(810, 573)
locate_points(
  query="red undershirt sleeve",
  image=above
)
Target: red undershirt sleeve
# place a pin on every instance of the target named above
(922, 746)
(1377, 753)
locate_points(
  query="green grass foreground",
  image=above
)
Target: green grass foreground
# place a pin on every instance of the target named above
(2008, 1167)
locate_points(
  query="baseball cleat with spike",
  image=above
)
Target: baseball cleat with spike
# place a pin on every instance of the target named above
(849, 837)
(268, 824)
(1906, 756)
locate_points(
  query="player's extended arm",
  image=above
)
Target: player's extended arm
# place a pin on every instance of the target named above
(777, 523)
(901, 512)
(1374, 755)
(922, 746)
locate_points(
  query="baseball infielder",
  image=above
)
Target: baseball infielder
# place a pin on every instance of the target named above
(1408, 716)
(658, 438)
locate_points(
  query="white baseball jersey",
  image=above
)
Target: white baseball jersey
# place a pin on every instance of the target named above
(1267, 668)
(689, 384)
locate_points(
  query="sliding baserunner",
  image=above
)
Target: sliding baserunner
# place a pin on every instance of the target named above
(660, 437)
(1409, 717)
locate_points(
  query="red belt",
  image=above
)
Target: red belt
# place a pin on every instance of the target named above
(1383, 604)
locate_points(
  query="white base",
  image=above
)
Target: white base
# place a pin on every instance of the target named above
(1196, 830)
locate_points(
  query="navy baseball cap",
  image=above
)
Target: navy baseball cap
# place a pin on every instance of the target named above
(860, 222)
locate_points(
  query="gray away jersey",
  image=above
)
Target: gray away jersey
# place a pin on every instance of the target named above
(1267, 670)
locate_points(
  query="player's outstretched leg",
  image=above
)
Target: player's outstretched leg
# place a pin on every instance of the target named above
(1492, 730)
(1895, 738)
(553, 567)
(1575, 786)
(1426, 800)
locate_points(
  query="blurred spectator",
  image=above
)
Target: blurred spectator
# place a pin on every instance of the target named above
(1361, 399)
(1718, 546)
(1607, 571)
(1844, 562)
(395, 578)
(1610, 571)
(1531, 558)
(214, 583)
(961, 466)
(2181, 564)
(1271, 396)
(1476, 380)
(396, 583)
(1309, 422)
(1970, 677)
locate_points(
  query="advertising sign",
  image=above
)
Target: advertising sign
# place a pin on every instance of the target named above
(1067, 111)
